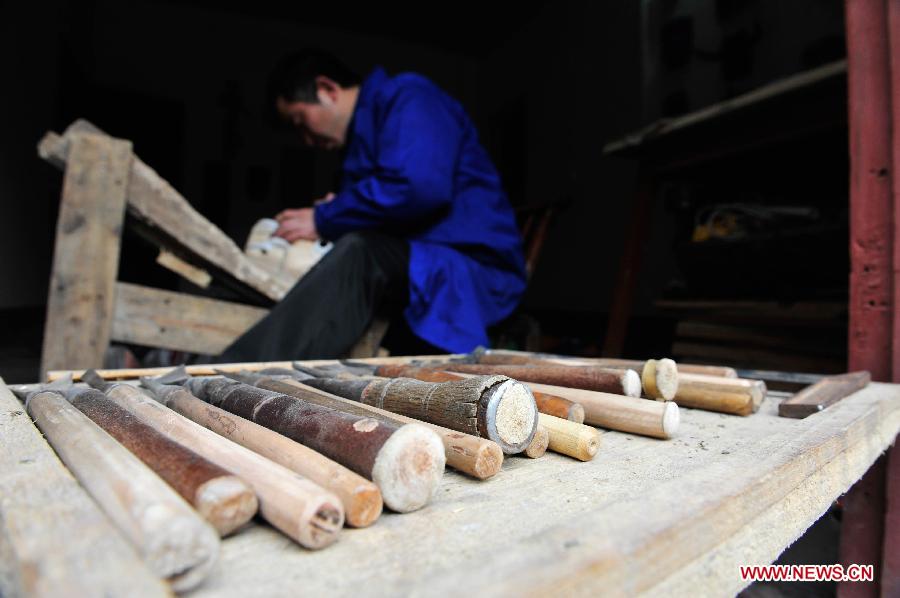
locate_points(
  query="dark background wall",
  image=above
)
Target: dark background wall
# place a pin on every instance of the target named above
(548, 84)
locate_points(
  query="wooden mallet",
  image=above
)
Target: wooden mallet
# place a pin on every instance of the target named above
(493, 407)
(478, 457)
(546, 403)
(406, 462)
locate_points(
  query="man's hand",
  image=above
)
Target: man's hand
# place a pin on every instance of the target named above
(296, 224)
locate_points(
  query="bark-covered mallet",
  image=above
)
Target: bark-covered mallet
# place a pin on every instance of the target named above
(494, 407)
(546, 403)
(478, 457)
(406, 462)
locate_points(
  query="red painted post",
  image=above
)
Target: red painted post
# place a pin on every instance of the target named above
(871, 206)
(874, 335)
(893, 34)
(890, 552)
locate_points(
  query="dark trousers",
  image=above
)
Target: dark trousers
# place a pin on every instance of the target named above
(328, 310)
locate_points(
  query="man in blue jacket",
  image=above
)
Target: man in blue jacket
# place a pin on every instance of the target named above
(420, 222)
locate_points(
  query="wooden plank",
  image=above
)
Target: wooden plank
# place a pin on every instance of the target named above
(823, 394)
(759, 310)
(86, 256)
(726, 491)
(156, 203)
(156, 318)
(54, 540)
(210, 370)
(189, 272)
(766, 92)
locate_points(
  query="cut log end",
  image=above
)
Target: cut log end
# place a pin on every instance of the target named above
(227, 503)
(512, 416)
(409, 467)
(671, 419)
(539, 443)
(576, 413)
(488, 461)
(365, 506)
(631, 384)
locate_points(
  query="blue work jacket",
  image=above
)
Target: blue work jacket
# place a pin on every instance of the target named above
(414, 167)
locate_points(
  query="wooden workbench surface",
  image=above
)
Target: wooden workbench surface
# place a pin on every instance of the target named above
(677, 516)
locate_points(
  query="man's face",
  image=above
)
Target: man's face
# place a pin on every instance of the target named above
(320, 125)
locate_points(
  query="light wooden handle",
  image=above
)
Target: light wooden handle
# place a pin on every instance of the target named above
(43, 504)
(559, 407)
(360, 497)
(568, 438)
(736, 396)
(297, 507)
(171, 537)
(597, 378)
(539, 443)
(625, 414)
(636, 364)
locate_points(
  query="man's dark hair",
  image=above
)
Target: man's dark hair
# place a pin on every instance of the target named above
(294, 77)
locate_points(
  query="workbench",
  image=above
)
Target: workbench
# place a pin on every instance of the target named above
(676, 517)
(673, 517)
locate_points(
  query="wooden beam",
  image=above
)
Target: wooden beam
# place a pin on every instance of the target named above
(630, 265)
(86, 256)
(772, 90)
(156, 318)
(823, 394)
(213, 369)
(54, 540)
(156, 203)
(189, 272)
